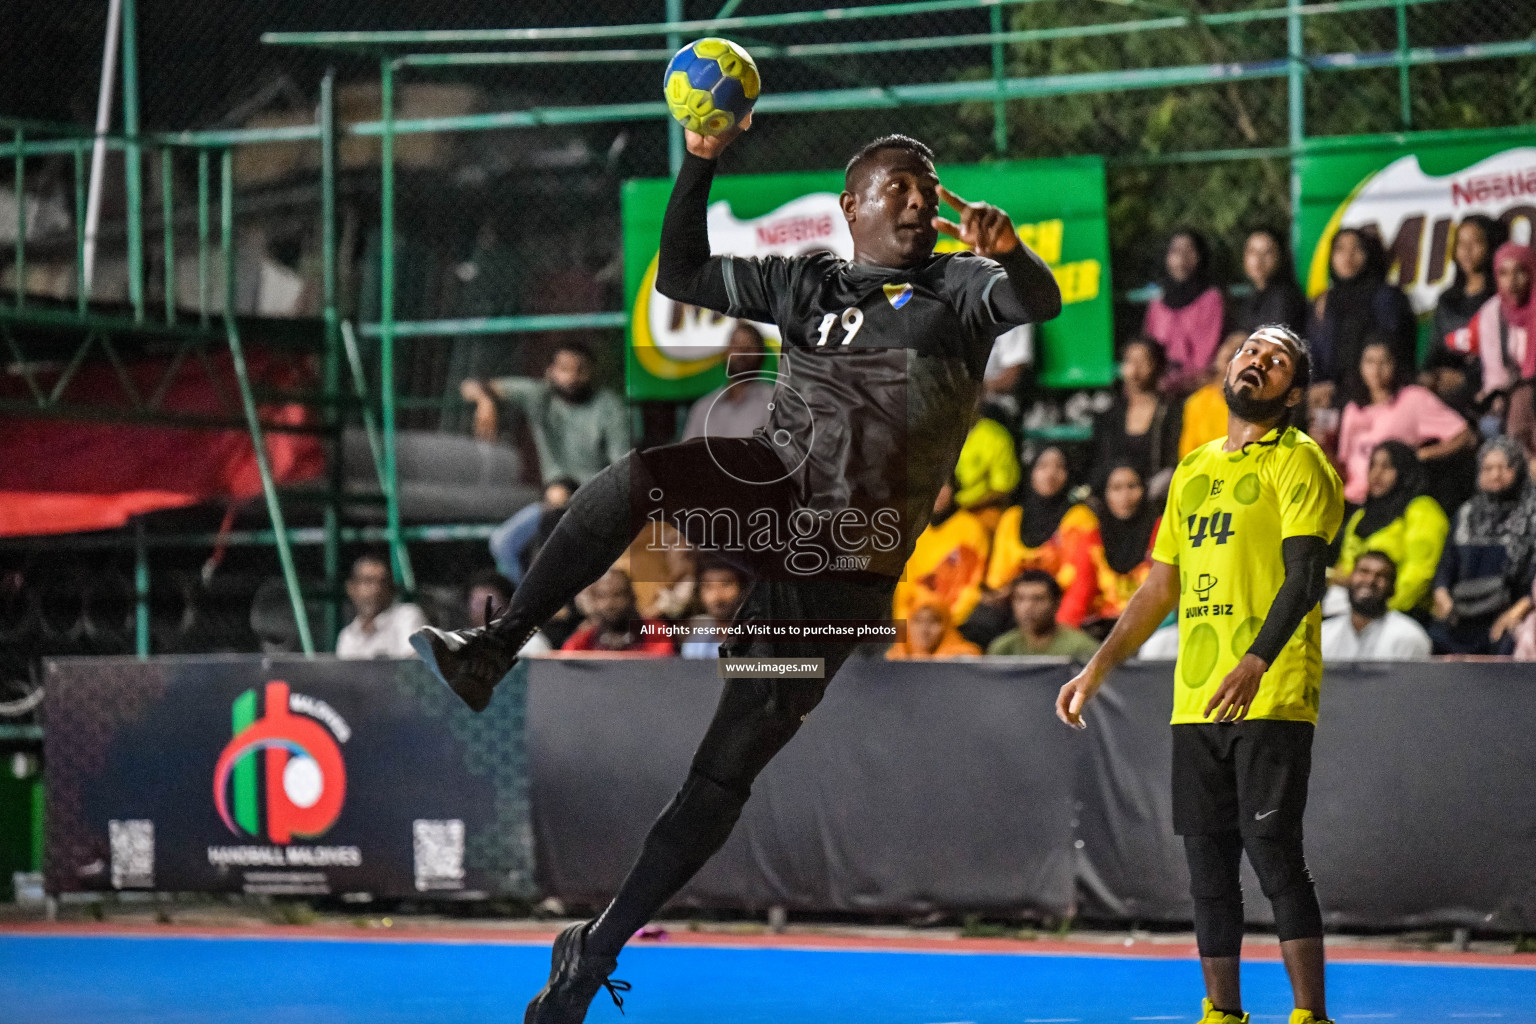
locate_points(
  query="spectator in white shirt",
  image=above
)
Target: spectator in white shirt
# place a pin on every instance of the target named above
(489, 594)
(739, 407)
(1372, 631)
(383, 627)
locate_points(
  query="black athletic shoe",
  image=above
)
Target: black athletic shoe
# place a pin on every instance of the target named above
(470, 662)
(574, 978)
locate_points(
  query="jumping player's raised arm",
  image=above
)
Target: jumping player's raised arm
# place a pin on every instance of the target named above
(685, 271)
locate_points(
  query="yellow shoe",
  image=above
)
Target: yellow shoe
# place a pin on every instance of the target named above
(1215, 1016)
(1307, 1017)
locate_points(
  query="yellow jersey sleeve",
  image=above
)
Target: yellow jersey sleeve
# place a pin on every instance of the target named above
(1309, 492)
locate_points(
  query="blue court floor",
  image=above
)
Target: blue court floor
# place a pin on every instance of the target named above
(118, 980)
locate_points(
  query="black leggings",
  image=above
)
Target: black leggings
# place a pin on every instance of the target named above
(1215, 884)
(755, 717)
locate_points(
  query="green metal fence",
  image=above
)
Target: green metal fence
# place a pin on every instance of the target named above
(1205, 107)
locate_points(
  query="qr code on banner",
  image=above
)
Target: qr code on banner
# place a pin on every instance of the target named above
(133, 854)
(439, 854)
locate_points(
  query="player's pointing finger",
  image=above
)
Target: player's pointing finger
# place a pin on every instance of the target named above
(948, 227)
(953, 200)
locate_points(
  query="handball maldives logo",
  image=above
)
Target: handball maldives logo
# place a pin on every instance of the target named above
(286, 756)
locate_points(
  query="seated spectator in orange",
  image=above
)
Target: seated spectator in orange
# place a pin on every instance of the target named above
(1205, 411)
(948, 561)
(613, 622)
(931, 633)
(1045, 530)
(1034, 599)
(1119, 552)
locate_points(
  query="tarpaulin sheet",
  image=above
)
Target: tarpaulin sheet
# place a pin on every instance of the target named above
(59, 476)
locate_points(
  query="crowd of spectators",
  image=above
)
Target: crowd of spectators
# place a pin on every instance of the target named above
(1040, 556)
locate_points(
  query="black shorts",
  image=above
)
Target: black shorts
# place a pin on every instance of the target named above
(1250, 776)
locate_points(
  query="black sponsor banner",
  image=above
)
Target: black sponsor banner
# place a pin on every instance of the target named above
(951, 784)
(282, 776)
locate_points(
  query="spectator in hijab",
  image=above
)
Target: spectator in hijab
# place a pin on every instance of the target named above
(931, 634)
(1384, 406)
(1399, 520)
(1045, 530)
(1488, 561)
(1118, 553)
(1276, 297)
(1205, 411)
(1358, 303)
(1186, 318)
(1141, 425)
(1504, 330)
(1477, 237)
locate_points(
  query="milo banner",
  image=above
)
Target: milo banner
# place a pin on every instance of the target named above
(281, 776)
(1413, 198)
(677, 352)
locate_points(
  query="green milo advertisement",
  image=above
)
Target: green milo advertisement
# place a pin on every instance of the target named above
(1412, 197)
(676, 352)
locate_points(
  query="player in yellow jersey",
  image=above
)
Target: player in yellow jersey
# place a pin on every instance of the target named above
(1243, 553)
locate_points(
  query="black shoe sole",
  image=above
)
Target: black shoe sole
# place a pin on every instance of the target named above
(557, 953)
(477, 697)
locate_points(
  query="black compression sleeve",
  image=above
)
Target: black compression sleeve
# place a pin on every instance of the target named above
(1033, 295)
(1306, 577)
(685, 272)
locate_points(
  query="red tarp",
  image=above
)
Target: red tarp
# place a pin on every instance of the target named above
(60, 476)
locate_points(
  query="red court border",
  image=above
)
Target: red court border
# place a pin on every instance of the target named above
(725, 940)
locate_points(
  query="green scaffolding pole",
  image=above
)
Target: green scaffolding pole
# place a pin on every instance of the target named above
(999, 74)
(21, 219)
(133, 168)
(248, 402)
(331, 377)
(390, 478)
(168, 222)
(1404, 90)
(1296, 109)
(675, 145)
(140, 590)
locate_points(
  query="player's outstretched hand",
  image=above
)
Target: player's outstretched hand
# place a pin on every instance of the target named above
(983, 227)
(1075, 696)
(711, 146)
(1235, 695)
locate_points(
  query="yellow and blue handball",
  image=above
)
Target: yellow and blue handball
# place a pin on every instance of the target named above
(711, 85)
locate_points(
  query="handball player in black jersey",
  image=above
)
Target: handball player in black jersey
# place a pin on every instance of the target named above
(880, 369)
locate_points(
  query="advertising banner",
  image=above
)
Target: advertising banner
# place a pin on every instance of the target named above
(676, 353)
(1412, 198)
(281, 776)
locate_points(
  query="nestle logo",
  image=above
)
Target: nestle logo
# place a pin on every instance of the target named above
(794, 229)
(1493, 187)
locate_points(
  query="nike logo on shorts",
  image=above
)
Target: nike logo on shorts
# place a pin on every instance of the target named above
(1260, 817)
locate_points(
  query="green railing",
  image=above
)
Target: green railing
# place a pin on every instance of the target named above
(400, 52)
